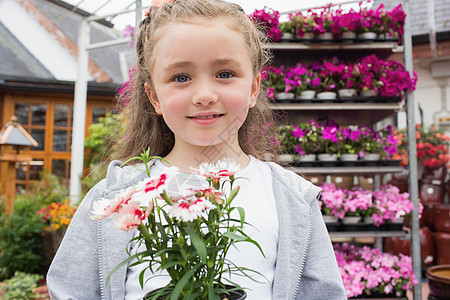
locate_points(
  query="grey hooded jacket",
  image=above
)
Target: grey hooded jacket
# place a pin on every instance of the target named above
(306, 266)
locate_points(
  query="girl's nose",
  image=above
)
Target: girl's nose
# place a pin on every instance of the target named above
(205, 93)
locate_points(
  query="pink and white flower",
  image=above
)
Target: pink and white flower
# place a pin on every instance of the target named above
(131, 215)
(105, 207)
(190, 208)
(223, 168)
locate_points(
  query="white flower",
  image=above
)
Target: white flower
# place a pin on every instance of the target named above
(105, 207)
(189, 209)
(152, 187)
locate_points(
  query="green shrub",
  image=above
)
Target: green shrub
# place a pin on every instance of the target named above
(21, 286)
(21, 231)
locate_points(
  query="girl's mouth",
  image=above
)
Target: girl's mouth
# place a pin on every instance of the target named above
(206, 117)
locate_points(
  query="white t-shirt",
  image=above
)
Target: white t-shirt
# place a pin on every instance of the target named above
(257, 199)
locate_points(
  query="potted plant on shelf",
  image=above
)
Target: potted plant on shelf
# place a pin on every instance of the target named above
(346, 24)
(351, 144)
(372, 144)
(391, 205)
(369, 273)
(331, 202)
(396, 81)
(283, 87)
(323, 23)
(370, 68)
(348, 79)
(329, 142)
(357, 204)
(188, 234)
(327, 74)
(307, 142)
(287, 143)
(370, 23)
(268, 20)
(304, 25)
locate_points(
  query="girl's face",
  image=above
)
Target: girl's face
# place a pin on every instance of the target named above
(202, 82)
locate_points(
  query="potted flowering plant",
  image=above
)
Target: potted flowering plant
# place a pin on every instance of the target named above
(287, 143)
(371, 23)
(432, 146)
(331, 202)
(349, 78)
(296, 79)
(324, 22)
(303, 24)
(187, 234)
(329, 141)
(307, 142)
(370, 68)
(369, 272)
(268, 19)
(57, 217)
(282, 86)
(372, 144)
(391, 205)
(346, 25)
(351, 143)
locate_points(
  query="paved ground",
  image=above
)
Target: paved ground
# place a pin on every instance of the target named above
(425, 291)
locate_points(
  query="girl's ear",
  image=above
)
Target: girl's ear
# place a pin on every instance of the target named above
(255, 90)
(151, 94)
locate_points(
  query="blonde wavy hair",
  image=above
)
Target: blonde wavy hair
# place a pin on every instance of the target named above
(144, 128)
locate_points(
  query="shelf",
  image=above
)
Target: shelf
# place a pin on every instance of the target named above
(372, 46)
(356, 170)
(358, 234)
(362, 113)
(326, 48)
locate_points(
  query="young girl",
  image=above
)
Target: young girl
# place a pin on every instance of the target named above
(197, 97)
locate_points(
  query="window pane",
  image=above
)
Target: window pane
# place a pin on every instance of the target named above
(97, 112)
(21, 170)
(39, 136)
(21, 111)
(36, 167)
(59, 167)
(61, 114)
(59, 140)
(38, 114)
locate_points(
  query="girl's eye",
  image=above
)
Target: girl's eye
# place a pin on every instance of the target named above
(181, 78)
(225, 75)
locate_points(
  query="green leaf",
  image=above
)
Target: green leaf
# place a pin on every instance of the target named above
(197, 242)
(234, 236)
(123, 263)
(182, 282)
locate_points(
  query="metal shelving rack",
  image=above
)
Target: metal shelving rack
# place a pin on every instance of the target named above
(362, 113)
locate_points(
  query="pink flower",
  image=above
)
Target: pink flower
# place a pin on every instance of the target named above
(131, 215)
(105, 207)
(189, 208)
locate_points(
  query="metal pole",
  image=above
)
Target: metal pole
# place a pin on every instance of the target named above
(79, 113)
(412, 158)
(432, 24)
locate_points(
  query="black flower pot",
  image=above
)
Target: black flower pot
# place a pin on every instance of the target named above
(233, 294)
